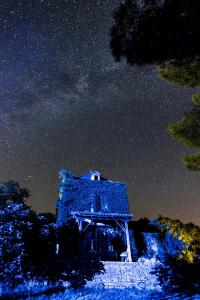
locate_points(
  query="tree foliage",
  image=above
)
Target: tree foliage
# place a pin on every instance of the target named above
(165, 32)
(26, 242)
(13, 224)
(187, 130)
(189, 234)
(185, 73)
(119, 244)
(10, 191)
(153, 31)
(28, 245)
(78, 267)
(181, 272)
(180, 276)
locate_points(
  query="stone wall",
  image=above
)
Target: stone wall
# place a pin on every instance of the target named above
(125, 275)
(82, 195)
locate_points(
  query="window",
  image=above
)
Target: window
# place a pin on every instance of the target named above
(98, 203)
(95, 176)
(68, 202)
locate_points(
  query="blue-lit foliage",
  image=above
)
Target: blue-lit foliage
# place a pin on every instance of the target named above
(25, 240)
(28, 250)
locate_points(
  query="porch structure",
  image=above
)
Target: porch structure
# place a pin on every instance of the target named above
(99, 228)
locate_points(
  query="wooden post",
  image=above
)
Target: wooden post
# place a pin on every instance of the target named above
(128, 242)
(80, 227)
(80, 224)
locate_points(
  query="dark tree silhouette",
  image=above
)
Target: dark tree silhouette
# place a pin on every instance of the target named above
(28, 246)
(153, 31)
(180, 270)
(165, 32)
(119, 244)
(10, 191)
(16, 221)
(69, 238)
(179, 275)
(77, 268)
(187, 130)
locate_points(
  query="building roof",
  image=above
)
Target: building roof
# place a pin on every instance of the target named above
(89, 174)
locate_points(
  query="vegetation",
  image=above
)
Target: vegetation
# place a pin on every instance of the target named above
(181, 272)
(152, 31)
(78, 269)
(176, 275)
(11, 192)
(187, 130)
(185, 73)
(166, 33)
(119, 245)
(28, 245)
(189, 234)
(138, 228)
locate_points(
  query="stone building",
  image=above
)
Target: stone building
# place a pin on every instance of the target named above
(100, 207)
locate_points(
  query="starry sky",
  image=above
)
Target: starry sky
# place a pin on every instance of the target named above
(65, 103)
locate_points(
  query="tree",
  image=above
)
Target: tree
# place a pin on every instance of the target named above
(26, 244)
(177, 275)
(77, 267)
(119, 244)
(28, 249)
(69, 237)
(187, 130)
(184, 73)
(10, 191)
(167, 33)
(153, 31)
(181, 272)
(189, 234)
(16, 222)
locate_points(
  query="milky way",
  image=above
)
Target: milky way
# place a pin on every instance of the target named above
(64, 102)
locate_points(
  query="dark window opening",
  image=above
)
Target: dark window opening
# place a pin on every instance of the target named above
(68, 202)
(96, 177)
(98, 203)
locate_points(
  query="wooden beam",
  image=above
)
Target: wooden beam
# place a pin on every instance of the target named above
(128, 242)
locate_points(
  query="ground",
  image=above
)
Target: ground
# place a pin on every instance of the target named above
(116, 294)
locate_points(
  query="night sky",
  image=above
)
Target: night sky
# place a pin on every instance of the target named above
(65, 103)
